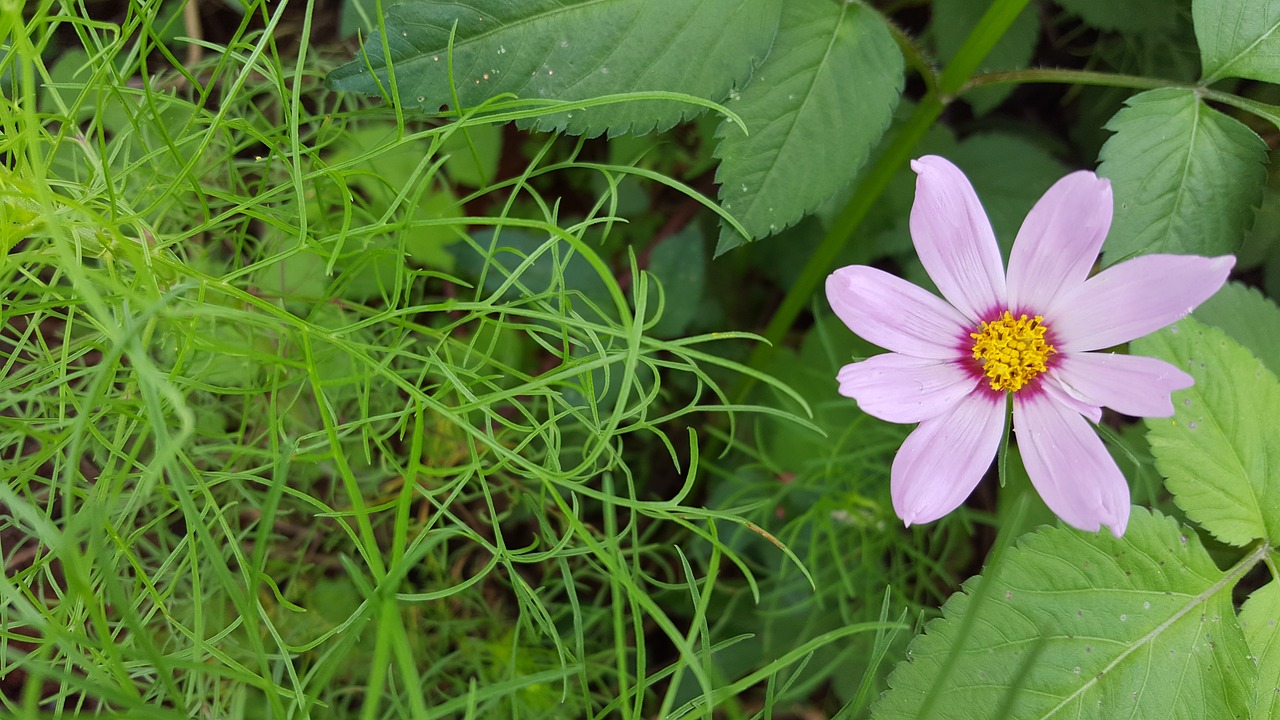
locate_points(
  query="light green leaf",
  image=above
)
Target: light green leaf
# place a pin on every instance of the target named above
(814, 110)
(1133, 16)
(1186, 177)
(953, 20)
(1258, 619)
(1238, 38)
(567, 50)
(1220, 452)
(1249, 318)
(473, 155)
(1087, 625)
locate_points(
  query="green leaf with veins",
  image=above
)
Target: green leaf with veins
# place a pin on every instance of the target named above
(1087, 625)
(1248, 317)
(567, 50)
(813, 113)
(1258, 619)
(1220, 452)
(1186, 177)
(1238, 38)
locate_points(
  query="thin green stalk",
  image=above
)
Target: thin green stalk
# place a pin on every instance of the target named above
(1270, 113)
(975, 49)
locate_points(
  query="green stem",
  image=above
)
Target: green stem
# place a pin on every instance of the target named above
(1270, 113)
(991, 27)
(1069, 77)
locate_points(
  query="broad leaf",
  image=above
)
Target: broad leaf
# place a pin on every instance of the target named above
(567, 50)
(1238, 38)
(1186, 177)
(1262, 633)
(1133, 16)
(1087, 625)
(814, 110)
(1220, 452)
(680, 264)
(1248, 317)
(953, 20)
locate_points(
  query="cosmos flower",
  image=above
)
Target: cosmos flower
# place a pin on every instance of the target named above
(1034, 333)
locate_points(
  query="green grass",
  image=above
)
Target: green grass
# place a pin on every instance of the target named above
(258, 464)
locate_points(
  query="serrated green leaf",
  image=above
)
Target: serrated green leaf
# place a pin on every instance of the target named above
(953, 20)
(814, 110)
(1238, 38)
(1139, 627)
(1249, 318)
(1186, 177)
(1134, 16)
(1220, 452)
(1259, 621)
(567, 50)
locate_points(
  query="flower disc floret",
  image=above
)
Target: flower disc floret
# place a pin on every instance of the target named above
(1012, 351)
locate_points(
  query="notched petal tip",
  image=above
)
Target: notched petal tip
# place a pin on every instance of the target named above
(954, 240)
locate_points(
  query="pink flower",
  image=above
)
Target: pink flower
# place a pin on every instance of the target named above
(1033, 333)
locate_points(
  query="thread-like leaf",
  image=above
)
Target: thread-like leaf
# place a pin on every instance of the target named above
(567, 50)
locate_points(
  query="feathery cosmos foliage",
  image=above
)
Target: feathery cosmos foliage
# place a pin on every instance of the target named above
(405, 358)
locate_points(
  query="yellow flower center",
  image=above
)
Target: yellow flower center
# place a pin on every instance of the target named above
(1012, 351)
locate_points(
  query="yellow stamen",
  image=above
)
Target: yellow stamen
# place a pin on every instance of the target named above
(1012, 351)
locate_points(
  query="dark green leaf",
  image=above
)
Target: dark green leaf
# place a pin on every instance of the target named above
(1139, 627)
(567, 50)
(814, 110)
(1238, 38)
(953, 20)
(1186, 177)
(679, 262)
(1133, 16)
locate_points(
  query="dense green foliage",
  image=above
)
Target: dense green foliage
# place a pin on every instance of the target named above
(466, 359)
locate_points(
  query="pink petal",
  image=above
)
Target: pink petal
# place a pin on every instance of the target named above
(896, 315)
(1059, 241)
(902, 389)
(944, 458)
(1069, 466)
(1129, 384)
(954, 239)
(1136, 297)
(1066, 395)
